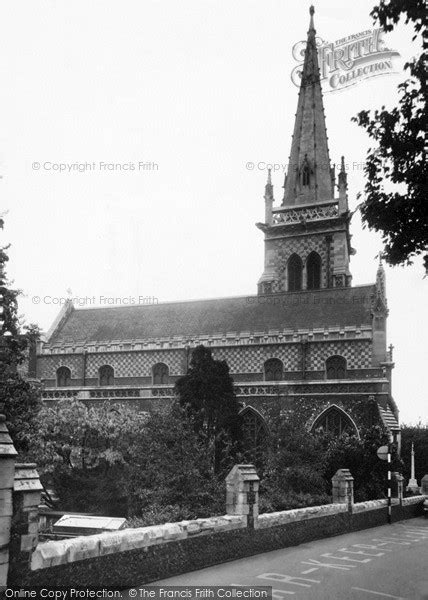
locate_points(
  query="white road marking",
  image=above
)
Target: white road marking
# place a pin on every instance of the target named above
(288, 579)
(330, 555)
(407, 536)
(378, 593)
(371, 547)
(360, 552)
(309, 571)
(275, 593)
(388, 541)
(316, 563)
(280, 593)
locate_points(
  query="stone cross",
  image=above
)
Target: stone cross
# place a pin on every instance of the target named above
(413, 484)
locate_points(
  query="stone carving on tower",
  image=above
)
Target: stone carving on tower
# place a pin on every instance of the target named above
(310, 229)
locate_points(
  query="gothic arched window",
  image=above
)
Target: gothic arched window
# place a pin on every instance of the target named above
(63, 377)
(313, 271)
(335, 367)
(160, 374)
(273, 369)
(294, 272)
(254, 429)
(106, 375)
(335, 421)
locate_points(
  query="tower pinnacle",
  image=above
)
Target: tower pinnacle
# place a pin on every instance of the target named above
(309, 179)
(311, 22)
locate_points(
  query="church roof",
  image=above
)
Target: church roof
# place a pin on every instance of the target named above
(288, 311)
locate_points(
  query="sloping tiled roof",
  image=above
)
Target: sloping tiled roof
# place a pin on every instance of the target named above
(303, 310)
(388, 419)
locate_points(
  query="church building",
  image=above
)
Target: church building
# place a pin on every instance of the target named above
(309, 340)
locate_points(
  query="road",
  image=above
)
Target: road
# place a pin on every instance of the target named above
(390, 561)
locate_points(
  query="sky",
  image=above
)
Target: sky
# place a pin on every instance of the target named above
(188, 93)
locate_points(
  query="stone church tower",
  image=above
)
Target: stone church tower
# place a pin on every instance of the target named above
(307, 239)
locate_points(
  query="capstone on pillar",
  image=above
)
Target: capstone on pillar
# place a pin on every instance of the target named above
(242, 493)
(25, 528)
(343, 488)
(424, 485)
(7, 470)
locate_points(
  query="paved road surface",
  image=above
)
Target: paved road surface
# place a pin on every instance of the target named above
(390, 561)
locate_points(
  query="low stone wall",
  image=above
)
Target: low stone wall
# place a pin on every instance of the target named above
(138, 556)
(299, 514)
(53, 553)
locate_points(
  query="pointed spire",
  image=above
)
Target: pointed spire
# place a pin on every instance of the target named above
(309, 178)
(268, 199)
(343, 176)
(269, 186)
(380, 304)
(311, 22)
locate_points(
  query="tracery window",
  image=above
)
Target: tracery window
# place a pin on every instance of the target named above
(254, 429)
(313, 271)
(273, 369)
(63, 377)
(160, 374)
(335, 422)
(294, 272)
(335, 367)
(106, 375)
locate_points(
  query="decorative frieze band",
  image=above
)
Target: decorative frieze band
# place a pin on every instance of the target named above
(309, 213)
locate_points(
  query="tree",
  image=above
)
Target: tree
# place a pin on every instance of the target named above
(398, 156)
(208, 396)
(418, 434)
(115, 461)
(20, 397)
(360, 457)
(171, 471)
(292, 475)
(83, 454)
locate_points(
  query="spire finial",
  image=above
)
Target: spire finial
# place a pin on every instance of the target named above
(311, 22)
(269, 178)
(342, 165)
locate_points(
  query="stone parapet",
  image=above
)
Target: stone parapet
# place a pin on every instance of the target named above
(299, 514)
(413, 500)
(54, 553)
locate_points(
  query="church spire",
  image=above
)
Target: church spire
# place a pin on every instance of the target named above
(309, 177)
